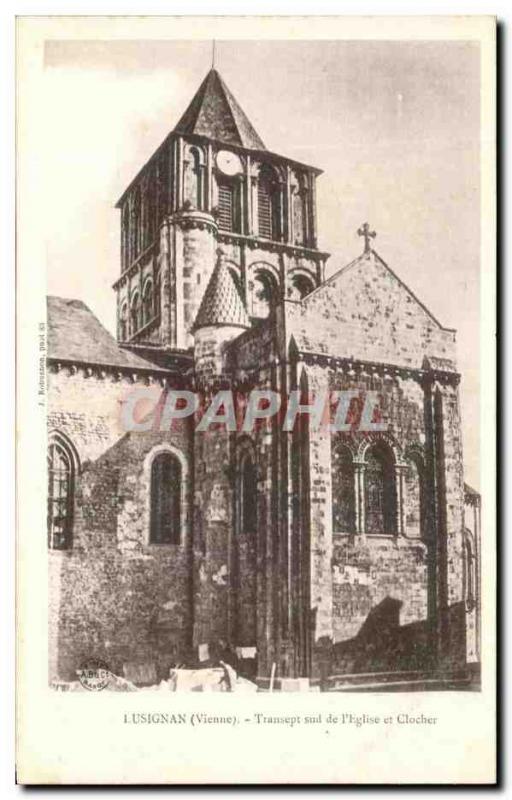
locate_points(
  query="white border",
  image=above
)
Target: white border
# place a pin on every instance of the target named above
(8, 10)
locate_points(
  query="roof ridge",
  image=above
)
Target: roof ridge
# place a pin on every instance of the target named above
(193, 108)
(214, 112)
(379, 258)
(234, 105)
(227, 99)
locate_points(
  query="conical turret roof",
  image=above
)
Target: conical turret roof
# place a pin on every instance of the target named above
(222, 303)
(215, 113)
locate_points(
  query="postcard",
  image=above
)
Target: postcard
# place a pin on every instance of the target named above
(255, 375)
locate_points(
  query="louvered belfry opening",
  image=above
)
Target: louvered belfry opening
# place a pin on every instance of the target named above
(226, 219)
(268, 204)
(264, 211)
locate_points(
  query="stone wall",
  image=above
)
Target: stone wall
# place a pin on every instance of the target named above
(113, 595)
(364, 311)
(382, 579)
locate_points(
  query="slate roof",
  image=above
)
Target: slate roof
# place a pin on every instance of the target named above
(222, 303)
(214, 112)
(76, 335)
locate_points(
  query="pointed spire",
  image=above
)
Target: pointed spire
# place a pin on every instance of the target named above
(214, 112)
(222, 303)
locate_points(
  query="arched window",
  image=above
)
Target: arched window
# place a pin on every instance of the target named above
(299, 210)
(166, 480)
(161, 199)
(263, 291)
(414, 498)
(301, 285)
(269, 204)
(152, 204)
(194, 178)
(125, 237)
(147, 302)
(61, 488)
(248, 495)
(380, 491)
(135, 313)
(123, 323)
(144, 220)
(343, 490)
(137, 224)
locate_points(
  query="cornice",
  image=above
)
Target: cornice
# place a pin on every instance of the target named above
(146, 375)
(381, 369)
(255, 243)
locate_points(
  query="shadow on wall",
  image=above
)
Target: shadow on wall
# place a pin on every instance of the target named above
(383, 645)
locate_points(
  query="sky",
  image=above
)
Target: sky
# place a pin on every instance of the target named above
(394, 125)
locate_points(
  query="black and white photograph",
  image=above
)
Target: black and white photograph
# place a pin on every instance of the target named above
(260, 380)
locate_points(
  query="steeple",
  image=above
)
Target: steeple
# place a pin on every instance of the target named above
(214, 113)
(222, 303)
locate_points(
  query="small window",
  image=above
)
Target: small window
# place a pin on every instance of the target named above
(300, 287)
(147, 302)
(123, 323)
(263, 294)
(135, 313)
(60, 496)
(137, 224)
(125, 237)
(166, 481)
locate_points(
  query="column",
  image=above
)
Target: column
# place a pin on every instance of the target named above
(281, 190)
(249, 224)
(289, 210)
(359, 469)
(209, 179)
(400, 500)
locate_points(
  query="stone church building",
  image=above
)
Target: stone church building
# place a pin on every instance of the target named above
(328, 555)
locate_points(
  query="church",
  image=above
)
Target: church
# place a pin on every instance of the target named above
(344, 559)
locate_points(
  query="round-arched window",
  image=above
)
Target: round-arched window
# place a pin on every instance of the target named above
(61, 487)
(300, 286)
(343, 489)
(135, 313)
(166, 478)
(263, 294)
(380, 491)
(123, 322)
(147, 302)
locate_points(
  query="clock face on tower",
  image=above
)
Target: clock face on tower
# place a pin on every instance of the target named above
(228, 163)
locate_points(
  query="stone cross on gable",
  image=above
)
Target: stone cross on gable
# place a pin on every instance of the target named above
(365, 231)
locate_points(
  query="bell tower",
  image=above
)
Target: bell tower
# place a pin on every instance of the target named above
(212, 182)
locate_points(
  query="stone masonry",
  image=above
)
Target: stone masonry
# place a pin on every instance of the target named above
(313, 552)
